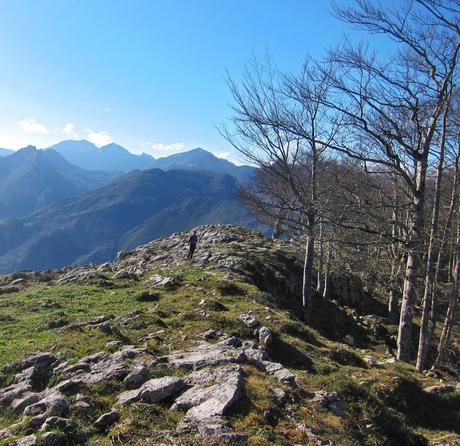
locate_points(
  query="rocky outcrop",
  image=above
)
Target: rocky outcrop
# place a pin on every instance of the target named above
(206, 394)
(206, 403)
(153, 390)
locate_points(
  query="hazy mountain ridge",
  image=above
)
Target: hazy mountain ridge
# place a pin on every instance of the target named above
(31, 179)
(139, 206)
(6, 152)
(110, 157)
(114, 157)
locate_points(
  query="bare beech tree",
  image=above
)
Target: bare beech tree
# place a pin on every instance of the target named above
(280, 125)
(393, 107)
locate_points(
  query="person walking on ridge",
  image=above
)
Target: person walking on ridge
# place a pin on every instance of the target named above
(192, 242)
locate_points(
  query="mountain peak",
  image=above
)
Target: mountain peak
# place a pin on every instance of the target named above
(114, 147)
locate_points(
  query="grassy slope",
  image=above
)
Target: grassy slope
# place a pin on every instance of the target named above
(386, 405)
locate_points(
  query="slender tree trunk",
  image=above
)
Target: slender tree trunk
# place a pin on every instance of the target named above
(430, 256)
(319, 276)
(414, 245)
(394, 291)
(307, 295)
(327, 272)
(396, 262)
(453, 301)
(277, 229)
(442, 244)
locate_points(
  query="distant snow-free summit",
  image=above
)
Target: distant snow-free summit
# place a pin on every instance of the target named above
(114, 157)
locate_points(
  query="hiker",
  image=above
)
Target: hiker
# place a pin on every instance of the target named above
(192, 242)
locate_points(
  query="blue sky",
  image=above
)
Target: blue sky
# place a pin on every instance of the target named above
(149, 75)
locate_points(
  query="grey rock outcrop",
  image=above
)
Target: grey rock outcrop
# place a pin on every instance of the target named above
(153, 390)
(106, 420)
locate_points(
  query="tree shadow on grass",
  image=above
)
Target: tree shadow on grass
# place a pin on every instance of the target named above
(289, 355)
(335, 324)
(427, 410)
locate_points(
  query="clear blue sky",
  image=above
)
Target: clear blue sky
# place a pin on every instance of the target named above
(149, 75)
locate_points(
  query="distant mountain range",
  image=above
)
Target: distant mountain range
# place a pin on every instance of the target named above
(200, 159)
(5, 152)
(111, 157)
(31, 179)
(114, 157)
(133, 209)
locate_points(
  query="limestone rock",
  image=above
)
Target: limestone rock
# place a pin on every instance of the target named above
(63, 424)
(442, 388)
(13, 392)
(249, 320)
(42, 360)
(52, 439)
(106, 420)
(265, 336)
(82, 408)
(30, 440)
(52, 405)
(207, 409)
(330, 401)
(153, 390)
(26, 400)
(280, 372)
(207, 354)
(157, 280)
(136, 378)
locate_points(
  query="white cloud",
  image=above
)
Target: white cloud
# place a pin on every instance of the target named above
(99, 138)
(30, 125)
(69, 130)
(225, 155)
(107, 109)
(168, 149)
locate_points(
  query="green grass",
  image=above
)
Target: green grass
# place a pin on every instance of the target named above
(205, 299)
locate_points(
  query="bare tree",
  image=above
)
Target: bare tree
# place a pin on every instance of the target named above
(432, 245)
(280, 125)
(393, 107)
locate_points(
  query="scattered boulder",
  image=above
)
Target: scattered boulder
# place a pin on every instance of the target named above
(29, 440)
(13, 392)
(280, 372)
(153, 390)
(57, 323)
(106, 420)
(249, 320)
(157, 280)
(54, 405)
(136, 378)
(280, 396)
(147, 296)
(442, 388)
(265, 336)
(58, 423)
(42, 360)
(330, 401)
(82, 408)
(211, 334)
(207, 354)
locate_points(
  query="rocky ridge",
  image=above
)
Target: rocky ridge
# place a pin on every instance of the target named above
(246, 296)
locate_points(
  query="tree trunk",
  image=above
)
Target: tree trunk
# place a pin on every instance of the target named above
(319, 283)
(307, 295)
(430, 256)
(453, 302)
(396, 262)
(442, 244)
(414, 245)
(327, 272)
(394, 292)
